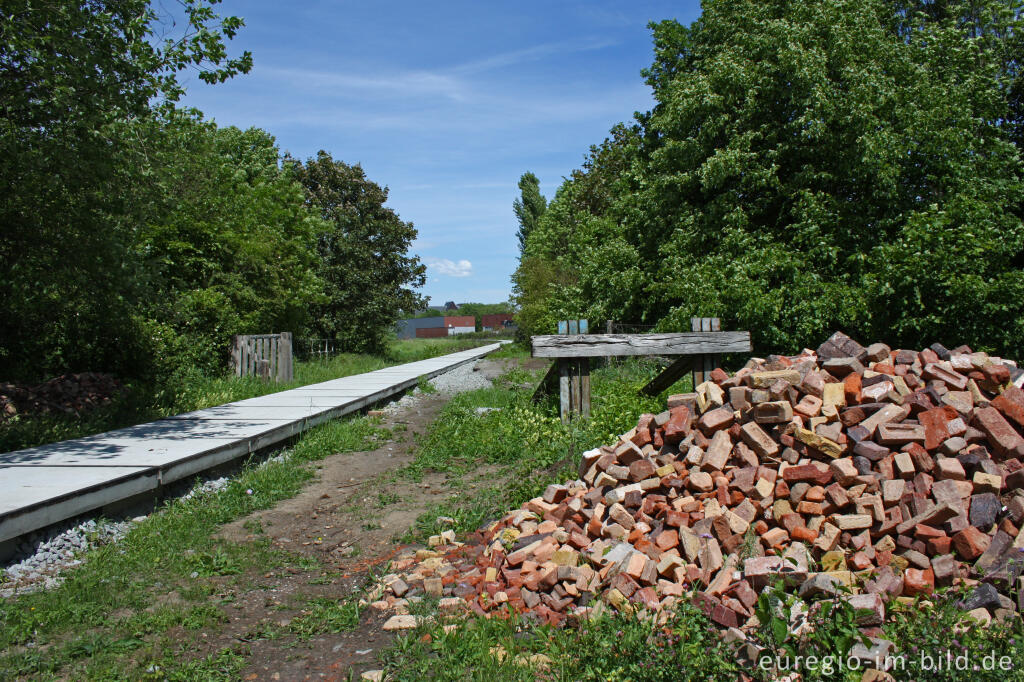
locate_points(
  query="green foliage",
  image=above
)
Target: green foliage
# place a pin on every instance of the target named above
(611, 647)
(529, 207)
(74, 73)
(363, 254)
(942, 630)
(830, 627)
(226, 244)
(326, 615)
(847, 164)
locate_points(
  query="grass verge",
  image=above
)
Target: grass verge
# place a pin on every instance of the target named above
(112, 619)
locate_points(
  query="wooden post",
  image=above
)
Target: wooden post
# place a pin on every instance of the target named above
(285, 369)
(704, 364)
(236, 355)
(585, 386)
(564, 405)
(573, 375)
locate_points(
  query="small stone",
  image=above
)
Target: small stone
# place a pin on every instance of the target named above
(985, 509)
(984, 595)
(400, 623)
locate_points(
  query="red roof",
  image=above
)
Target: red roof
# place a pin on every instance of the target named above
(460, 321)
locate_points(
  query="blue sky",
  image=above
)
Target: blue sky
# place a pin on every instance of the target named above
(446, 103)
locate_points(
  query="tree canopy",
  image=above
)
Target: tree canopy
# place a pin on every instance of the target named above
(363, 254)
(806, 167)
(137, 237)
(529, 207)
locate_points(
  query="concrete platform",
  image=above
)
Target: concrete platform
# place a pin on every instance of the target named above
(50, 483)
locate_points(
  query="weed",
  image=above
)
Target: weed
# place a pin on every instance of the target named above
(325, 615)
(424, 386)
(217, 562)
(385, 498)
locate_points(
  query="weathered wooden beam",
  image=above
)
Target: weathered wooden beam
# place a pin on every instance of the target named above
(668, 376)
(597, 345)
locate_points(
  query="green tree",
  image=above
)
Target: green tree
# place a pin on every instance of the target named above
(529, 207)
(364, 258)
(70, 74)
(848, 164)
(228, 244)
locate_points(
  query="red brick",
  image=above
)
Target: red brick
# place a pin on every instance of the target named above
(803, 534)
(718, 375)
(1001, 435)
(934, 423)
(641, 469)
(716, 420)
(971, 543)
(1011, 403)
(996, 373)
(852, 388)
(807, 472)
(667, 539)
(917, 581)
(643, 431)
(678, 424)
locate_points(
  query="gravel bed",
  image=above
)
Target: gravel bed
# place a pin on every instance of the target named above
(41, 556)
(463, 378)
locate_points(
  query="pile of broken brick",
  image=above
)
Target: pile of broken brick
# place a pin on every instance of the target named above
(68, 394)
(889, 472)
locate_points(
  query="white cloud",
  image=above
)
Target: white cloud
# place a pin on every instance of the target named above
(443, 266)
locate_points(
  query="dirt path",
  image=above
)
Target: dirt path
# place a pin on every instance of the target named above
(349, 520)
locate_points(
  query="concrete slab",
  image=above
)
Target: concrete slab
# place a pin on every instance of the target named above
(40, 496)
(45, 485)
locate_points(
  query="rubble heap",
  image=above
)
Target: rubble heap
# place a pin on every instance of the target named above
(892, 471)
(68, 394)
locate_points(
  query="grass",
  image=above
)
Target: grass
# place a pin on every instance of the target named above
(526, 442)
(612, 647)
(72, 631)
(192, 390)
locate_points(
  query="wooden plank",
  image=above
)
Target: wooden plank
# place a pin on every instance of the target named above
(563, 390)
(668, 376)
(287, 361)
(575, 399)
(596, 345)
(585, 386)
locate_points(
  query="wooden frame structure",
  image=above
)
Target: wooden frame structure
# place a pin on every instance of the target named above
(701, 349)
(268, 356)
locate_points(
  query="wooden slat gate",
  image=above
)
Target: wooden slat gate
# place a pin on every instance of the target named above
(268, 356)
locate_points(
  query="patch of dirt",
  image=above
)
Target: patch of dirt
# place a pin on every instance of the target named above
(349, 519)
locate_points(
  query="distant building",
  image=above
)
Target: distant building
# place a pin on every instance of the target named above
(460, 324)
(496, 321)
(450, 305)
(435, 327)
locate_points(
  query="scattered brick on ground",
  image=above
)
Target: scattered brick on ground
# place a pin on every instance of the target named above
(894, 472)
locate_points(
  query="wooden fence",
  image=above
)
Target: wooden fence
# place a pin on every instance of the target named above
(268, 356)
